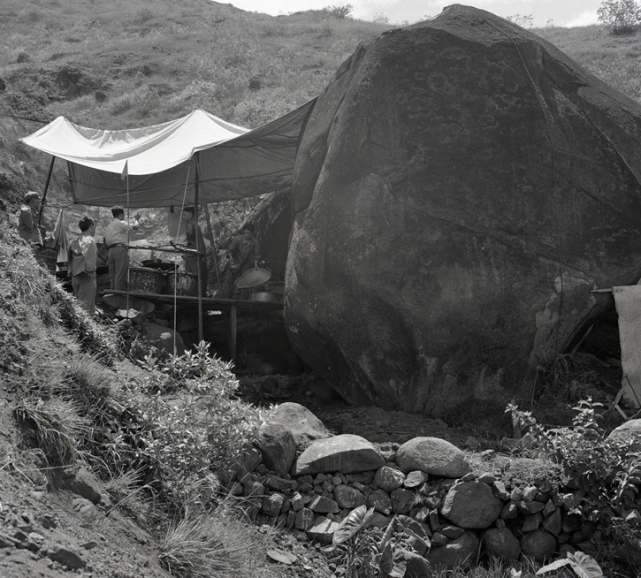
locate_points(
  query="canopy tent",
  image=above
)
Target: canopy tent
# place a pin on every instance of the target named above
(152, 166)
(233, 162)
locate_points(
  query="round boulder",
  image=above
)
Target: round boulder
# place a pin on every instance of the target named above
(471, 505)
(433, 456)
(277, 446)
(461, 552)
(538, 544)
(500, 542)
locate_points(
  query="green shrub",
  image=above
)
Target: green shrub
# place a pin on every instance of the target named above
(57, 426)
(604, 469)
(340, 12)
(623, 16)
(197, 430)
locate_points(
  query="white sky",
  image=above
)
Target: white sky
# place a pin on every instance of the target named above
(554, 12)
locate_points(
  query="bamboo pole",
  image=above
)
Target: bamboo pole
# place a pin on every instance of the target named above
(198, 259)
(44, 193)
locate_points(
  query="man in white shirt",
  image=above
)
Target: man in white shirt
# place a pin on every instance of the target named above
(116, 239)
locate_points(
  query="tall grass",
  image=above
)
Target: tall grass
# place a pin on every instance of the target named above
(214, 543)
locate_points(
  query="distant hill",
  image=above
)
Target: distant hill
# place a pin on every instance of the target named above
(127, 63)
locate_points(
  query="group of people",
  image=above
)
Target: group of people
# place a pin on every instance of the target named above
(243, 250)
(83, 257)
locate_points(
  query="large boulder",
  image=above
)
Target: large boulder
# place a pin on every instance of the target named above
(461, 187)
(346, 453)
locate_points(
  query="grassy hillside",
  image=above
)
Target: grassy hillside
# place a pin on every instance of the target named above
(129, 63)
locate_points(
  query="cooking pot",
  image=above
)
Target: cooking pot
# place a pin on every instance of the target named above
(146, 280)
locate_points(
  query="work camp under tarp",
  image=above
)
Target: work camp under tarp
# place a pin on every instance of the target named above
(194, 160)
(232, 162)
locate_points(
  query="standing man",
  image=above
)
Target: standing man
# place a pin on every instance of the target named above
(82, 265)
(244, 253)
(116, 238)
(194, 240)
(28, 221)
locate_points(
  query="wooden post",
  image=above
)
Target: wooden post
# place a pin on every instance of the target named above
(198, 263)
(213, 246)
(44, 193)
(233, 325)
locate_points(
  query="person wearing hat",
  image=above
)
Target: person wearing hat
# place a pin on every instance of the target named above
(116, 239)
(28, 220)
(82, 264)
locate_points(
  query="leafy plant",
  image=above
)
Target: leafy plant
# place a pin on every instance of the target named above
(366, 552)
(523, 20)
(604, 470)
(583, 565)
(623, 16)
(200, 430)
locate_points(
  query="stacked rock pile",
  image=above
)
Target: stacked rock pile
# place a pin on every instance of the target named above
(427, 480)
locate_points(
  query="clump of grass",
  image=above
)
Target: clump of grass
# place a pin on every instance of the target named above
(57, 427)
(213, 543)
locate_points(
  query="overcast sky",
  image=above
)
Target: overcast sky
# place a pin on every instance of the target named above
(543, 12)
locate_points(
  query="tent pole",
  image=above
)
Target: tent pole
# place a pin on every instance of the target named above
(198, 263)
(44, 193)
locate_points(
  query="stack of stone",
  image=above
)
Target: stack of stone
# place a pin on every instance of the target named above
(426, 480)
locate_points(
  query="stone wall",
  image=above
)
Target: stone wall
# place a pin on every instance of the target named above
(426, 481)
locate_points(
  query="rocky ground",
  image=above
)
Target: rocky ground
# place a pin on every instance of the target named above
(57, 533)
(54, 533)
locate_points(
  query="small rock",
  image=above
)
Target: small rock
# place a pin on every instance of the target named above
(415, 479)
(389, 479)
(66, 558)
(348, 497)
(452, 532)
(324, 505)
(304, 519)
(538, 544)
(471, 443)
(380, 501)
(89, 545)
(402, 500)
(322, 530)
(486, 478)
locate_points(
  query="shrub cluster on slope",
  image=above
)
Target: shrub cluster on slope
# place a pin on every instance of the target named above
(158, 438)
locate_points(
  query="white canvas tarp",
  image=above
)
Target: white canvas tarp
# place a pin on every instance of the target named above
(232, 162)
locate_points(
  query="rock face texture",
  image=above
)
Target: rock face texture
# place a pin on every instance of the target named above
(460, 189)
